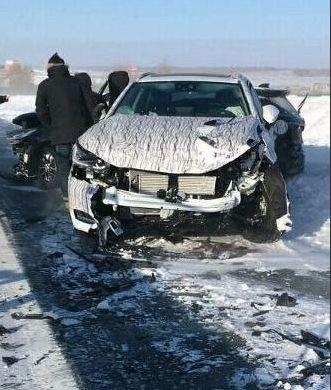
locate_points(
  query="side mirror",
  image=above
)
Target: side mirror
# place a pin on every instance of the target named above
(270, 114)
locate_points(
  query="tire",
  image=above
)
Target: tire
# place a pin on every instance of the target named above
(292, 159)
(271, 203)
(297, 164)
(47, 171)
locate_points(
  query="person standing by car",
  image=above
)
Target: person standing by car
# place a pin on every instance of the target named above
(62, 109)
(4, 99)
(92, 99)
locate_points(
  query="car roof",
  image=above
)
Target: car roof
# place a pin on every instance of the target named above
(214, 78)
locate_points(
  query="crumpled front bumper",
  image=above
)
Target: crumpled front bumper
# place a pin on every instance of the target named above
(80, 200)
(116, 197)
(81, 193)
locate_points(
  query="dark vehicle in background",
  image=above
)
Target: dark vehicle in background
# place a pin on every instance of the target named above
(36, 156)
(37, 159)
(289, 146)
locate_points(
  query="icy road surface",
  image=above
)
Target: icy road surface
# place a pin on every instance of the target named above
(190, 311)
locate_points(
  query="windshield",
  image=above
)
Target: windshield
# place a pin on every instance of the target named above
(184, 98)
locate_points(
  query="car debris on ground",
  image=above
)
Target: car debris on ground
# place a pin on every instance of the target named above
(286, 300)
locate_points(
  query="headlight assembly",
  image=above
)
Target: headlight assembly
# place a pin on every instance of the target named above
(85, 159)
(248, 163)
(247, 160)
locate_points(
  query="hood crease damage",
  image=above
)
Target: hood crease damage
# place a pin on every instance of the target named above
(177, 145)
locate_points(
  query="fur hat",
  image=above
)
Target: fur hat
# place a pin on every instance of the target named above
(55, 60)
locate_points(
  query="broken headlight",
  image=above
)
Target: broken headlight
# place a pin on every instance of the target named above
(85, 159)
(247, 161)
(244, 163)
(250, 161)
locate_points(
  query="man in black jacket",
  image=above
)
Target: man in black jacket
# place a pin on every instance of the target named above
(3, 99)
(62, 110)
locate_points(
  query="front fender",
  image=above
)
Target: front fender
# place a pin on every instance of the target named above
(269, 137)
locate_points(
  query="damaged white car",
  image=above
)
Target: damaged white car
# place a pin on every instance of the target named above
(174, 144)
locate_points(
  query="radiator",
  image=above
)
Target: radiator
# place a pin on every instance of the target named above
(151, 183)
(197, 185)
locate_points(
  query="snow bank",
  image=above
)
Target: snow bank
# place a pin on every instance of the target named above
(316, 112)
(310, 192)
(17, 105)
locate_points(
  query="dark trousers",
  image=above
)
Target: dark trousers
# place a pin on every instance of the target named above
(63, 153)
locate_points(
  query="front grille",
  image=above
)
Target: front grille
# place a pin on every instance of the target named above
(197, 185)
(151, 183)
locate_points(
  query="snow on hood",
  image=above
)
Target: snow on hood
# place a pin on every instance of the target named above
(177, 145)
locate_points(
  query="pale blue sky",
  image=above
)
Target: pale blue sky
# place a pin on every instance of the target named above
(280, 33)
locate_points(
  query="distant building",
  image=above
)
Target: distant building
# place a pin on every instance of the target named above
(132, 69)
(12, 66)
(16, 78)
(321, 88)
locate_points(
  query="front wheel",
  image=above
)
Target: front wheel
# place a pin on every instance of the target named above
(271, 208)
(291, 158)
(47, 169)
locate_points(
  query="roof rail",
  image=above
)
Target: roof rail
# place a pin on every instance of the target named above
(145, 75)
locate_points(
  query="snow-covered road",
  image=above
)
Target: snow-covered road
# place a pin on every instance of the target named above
(201, 307)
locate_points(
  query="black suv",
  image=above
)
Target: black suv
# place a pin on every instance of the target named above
(289, 146)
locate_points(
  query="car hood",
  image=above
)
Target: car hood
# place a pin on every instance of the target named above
(177, 145)
(19, 134)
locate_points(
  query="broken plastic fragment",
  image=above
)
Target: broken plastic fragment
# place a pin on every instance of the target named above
(286, 300)
(109, 225)
(4, 330)
(284, 223)
(30, 316)
(70, 321)
(104, 305)
(10, 360)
